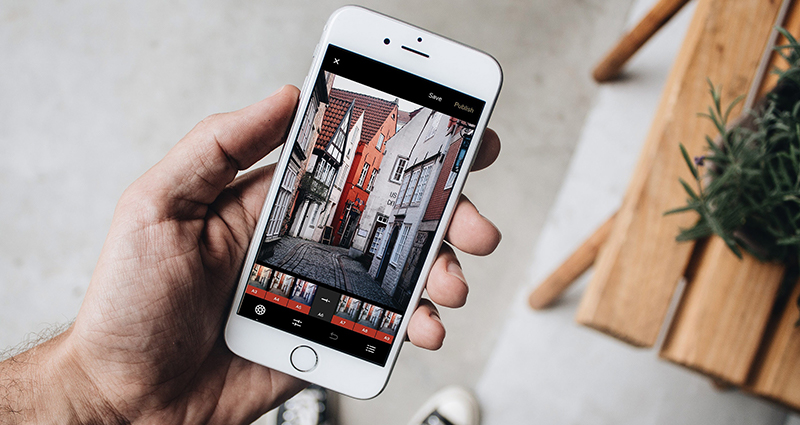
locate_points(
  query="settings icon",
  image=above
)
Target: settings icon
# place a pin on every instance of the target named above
(260, 310)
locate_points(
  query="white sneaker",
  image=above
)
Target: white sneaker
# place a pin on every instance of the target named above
(308, 407)
(450, 406)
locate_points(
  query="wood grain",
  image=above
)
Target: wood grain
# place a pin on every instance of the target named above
(610, 66)
(640, 265)
(777, 376)
(723, 313)
(571, 269)
(791, 24)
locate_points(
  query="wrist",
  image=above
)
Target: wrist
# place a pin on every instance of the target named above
(47, 384)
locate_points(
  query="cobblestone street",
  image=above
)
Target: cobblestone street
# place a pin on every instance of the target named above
(327, 264)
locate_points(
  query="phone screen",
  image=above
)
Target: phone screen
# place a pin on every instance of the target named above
(370, 172)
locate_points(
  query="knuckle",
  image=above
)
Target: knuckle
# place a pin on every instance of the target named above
(144, 203)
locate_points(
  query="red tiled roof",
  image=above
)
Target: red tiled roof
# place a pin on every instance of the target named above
(331, 121)
(377, 110)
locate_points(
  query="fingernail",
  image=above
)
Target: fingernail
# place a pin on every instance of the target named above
(499, 233)
(454, 269)
(278, 91)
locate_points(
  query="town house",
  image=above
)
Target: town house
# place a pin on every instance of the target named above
(301, 153)
(387, 182)
(425, 162)
(327, 161)
(379, 125)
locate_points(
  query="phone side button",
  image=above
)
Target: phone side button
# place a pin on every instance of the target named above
(304, 358)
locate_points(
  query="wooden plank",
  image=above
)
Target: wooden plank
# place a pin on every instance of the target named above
(723, 313)
(640, 265)
(571, 269)
(791, 24)
(615, 59)
(777, 376)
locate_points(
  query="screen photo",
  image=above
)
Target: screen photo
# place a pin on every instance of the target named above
(364, 192)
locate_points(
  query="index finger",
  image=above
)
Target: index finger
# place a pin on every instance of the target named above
(488, 151)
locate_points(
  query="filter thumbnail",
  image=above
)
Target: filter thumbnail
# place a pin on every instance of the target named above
(259, 276)
(368, 320)
(281, 284)
(390, 323)
(370, 316)
(303, 292)
(348, 308)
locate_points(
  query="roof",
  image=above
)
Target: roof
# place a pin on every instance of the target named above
(413, 114)
(334, 113)
(403, 117)
(376, 111)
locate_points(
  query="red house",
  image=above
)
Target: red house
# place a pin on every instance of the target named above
(380, 124)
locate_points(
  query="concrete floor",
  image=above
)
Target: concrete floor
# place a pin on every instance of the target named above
(92, 94)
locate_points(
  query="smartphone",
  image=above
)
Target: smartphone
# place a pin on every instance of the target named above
(389, 121)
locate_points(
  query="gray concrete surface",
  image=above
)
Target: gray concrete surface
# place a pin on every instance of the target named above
(94, 93)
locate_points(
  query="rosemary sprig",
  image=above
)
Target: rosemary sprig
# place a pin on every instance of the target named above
(748, 183)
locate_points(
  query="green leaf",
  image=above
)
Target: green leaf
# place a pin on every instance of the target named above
(689, 162)
(681, 209)
(689, 190)
(730, 108)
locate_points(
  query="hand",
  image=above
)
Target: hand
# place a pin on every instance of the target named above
(146, 345)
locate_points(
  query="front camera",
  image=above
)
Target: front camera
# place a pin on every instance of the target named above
(419, 39)
(386, 41)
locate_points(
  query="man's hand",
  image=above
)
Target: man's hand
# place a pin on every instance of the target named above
(146, 345)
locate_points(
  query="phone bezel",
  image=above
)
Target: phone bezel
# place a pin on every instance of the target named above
(363, 31)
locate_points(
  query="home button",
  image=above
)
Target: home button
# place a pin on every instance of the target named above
(304, 358)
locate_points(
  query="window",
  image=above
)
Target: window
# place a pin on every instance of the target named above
(320, 170)
(399, 167)
(376, 240)
(281, 202)
(462, 152)
(363, 175)
(437, 118)
(423, 181)
(324, 172)
(402, 190)
(308, 121)
(451, 180)
(331, 175)
(339, 140)
(336, 147)
(379, 146)
(412, 183)
(372, 180)
(400, 244)
(289, 179)
(276, 217)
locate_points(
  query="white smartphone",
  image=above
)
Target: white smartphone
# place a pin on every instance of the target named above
(389, 121)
